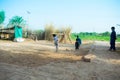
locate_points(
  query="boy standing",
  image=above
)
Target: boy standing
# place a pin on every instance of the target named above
(55, 38)
(78, 42)
(77, 45)
(112, 39)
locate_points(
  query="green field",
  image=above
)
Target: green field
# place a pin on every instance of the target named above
(97, 37)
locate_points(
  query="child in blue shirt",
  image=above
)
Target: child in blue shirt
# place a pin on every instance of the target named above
(77, 43)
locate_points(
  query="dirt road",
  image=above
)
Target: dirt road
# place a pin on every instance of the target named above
(38, 61)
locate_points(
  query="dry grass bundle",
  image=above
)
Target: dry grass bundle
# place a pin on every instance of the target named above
(66, 34)
(62, 33)
(49, 29)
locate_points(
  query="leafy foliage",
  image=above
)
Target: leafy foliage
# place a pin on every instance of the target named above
(17, 21)
(2, 16)
(40, 34)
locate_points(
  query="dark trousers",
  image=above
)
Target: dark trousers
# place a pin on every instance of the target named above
(77, 45)
(112, 45)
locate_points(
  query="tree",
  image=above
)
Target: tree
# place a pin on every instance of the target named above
(17, 21)
(39, 34)
(106, 33)
(2, 16)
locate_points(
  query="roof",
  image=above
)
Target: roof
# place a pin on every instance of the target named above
(10, 28)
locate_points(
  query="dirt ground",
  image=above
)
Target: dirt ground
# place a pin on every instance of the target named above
(32, 60)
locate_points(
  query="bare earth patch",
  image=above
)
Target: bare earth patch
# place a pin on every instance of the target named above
(38, 53)
(31, 60)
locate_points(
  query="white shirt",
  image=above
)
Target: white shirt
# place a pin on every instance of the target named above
(55, 38)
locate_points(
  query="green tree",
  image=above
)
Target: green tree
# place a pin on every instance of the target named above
(39, 34)
(106, 33)
(2, 16)
(17, 21)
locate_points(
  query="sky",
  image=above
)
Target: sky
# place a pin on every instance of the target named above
(81, 15)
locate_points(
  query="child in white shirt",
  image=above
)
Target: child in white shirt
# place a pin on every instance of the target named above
(55, 41)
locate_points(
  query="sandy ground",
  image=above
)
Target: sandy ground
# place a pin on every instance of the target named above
(31, 60)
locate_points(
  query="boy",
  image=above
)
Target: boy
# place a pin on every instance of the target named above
(112, 39)
(78, 42)
(55, 38)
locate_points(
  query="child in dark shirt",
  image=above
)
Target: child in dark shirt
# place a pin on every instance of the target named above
(77, 44)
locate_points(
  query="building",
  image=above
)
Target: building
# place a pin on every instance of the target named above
(13, 33)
